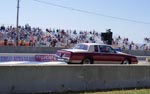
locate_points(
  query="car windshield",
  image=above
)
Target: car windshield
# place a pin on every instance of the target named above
(81, 46)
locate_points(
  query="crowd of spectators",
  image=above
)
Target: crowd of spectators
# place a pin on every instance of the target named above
(30, 36)
(125, 44)
(35, 36)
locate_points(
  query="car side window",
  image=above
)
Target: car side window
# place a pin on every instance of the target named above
(106, 49)
(111, 50)
(102, 48)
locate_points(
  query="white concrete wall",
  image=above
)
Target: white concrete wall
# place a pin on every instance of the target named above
(52, 78)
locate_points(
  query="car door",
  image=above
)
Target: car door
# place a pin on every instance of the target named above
(109, 55)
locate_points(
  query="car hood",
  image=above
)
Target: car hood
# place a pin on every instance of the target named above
(118, 52)
(75, 50)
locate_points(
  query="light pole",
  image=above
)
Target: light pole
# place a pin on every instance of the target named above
(17, 22)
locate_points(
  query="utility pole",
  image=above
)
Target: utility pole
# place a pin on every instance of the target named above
(17, 23)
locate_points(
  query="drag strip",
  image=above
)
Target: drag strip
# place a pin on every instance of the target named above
(9, 63)
(32, 63)
(28, 59)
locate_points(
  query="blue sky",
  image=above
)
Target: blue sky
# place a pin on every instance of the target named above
(44, 15)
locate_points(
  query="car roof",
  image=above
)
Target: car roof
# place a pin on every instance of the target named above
(94, 44)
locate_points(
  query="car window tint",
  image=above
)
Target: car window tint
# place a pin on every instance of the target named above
(105, 49)
(108, 49)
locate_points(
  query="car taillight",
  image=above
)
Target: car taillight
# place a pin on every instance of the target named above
(58, 54)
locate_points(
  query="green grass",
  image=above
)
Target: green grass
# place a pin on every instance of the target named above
(140, 91)
(133, 91)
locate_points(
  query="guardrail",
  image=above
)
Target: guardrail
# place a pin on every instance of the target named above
(143, 58)
(52, 50)
(24, 49)
(60, 78)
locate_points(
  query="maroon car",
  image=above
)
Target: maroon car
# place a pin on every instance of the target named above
(94, 53)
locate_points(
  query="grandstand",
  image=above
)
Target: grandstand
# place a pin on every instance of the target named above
(31, 36)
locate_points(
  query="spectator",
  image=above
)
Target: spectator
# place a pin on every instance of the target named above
(61, 37)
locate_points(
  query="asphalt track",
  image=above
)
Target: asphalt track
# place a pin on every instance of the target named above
(31, 63)
(52, 63)
(141, 62)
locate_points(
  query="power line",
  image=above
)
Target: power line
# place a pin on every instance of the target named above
(93, 13)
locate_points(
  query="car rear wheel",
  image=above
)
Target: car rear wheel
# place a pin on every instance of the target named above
(126, 61)
(87, 61)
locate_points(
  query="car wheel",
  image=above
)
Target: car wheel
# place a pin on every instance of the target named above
(126, 61)
(87, 61)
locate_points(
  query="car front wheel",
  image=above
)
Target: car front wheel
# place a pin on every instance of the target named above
(126, 61)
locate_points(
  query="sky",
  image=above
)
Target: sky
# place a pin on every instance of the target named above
(127, 18)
